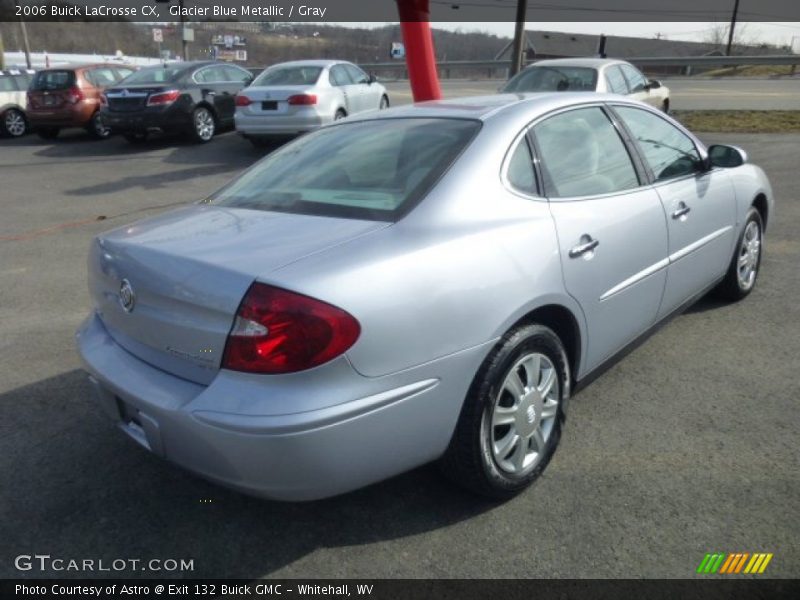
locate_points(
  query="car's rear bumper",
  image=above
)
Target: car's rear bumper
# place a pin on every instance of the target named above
(256, 126)
(166, 119)
(369, 428)
(73, 116)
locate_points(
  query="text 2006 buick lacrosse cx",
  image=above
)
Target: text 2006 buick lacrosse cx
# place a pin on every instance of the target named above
(424, 283)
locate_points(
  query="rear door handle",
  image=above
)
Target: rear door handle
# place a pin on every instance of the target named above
(587, 245)
(681, 211)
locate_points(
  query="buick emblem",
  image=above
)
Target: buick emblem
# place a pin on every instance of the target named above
(127, 299)
(124, 93)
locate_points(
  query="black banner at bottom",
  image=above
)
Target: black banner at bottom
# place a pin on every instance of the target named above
(399, 589)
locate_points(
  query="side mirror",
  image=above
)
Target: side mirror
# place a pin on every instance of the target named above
(371, 79)
(653, 84)
(726, 157)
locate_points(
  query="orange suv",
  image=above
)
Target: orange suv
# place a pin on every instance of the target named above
(68, 97)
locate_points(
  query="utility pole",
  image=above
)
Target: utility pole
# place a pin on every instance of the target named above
(184, 43)
(24, 37)
(733, 25)
(519, 39)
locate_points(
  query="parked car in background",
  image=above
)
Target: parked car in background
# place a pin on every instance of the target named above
(294, 97)
(590, 75)
(195, 98)
(427, 282)
(14, 101)
(68, 97)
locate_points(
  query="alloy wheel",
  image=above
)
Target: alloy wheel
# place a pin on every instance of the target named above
(14, 123)
(204, 124)
(749, 252)
(524, 414)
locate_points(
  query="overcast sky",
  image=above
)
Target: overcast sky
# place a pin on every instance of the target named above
(780, 33)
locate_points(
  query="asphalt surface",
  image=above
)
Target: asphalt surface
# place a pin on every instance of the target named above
(688, 445)
(686, 94)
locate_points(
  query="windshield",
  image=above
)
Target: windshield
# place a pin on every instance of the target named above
(554, 79)
(364, 170)
(155, 75)
(289, 76)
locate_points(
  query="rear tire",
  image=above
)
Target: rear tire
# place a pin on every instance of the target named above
(504, 438)
(746, 261)
(13, 123)
(204, 126)
(97, 127)
(48, 133)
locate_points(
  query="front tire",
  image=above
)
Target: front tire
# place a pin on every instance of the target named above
(743, 270)
(511, 420)
(13, 123)
(203, 125)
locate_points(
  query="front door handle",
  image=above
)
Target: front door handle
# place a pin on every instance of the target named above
(681, 211)
(587, 245)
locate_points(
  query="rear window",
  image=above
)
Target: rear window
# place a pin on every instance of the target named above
(155, 75)
(7, 84)
(554, 79)
(364, 170)
(289, 76)
(53, 80)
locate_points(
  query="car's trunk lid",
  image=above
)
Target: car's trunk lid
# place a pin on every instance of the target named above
(168, 289)
(131, 97)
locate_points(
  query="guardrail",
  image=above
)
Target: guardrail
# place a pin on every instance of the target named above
(492, 67)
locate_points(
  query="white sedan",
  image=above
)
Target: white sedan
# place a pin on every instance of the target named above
(604, 75)
(291, 98)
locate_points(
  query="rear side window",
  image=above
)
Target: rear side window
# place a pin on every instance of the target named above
(553, 79)
(235, 75)
(289, 76)
(667, 150)
(616, 81)
(156, 75)
(636, 81)
(101, 77)
(364, 170)
(53, 80)
(339, 76)
(520, 168)
(356, 74)
(583, 155)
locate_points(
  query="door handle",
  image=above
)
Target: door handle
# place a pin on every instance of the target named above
(584, 246)
(681, 211)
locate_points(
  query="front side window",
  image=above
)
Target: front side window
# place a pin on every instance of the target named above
(616, 80)
(667, 150)
(636, 81)
(363, 170)
(553, 79)
(520, 172)
(583, 155)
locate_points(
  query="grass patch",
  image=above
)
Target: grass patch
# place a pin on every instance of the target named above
(740, 121)
(751, 71)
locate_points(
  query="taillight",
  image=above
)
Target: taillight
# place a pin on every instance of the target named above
(243, 100)
(302, 99)
(163, 98)
(278, 331)
(74, 95)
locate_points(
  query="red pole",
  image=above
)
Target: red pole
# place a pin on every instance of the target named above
(420, 56)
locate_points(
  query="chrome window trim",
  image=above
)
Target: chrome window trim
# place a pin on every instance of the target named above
(522, 137)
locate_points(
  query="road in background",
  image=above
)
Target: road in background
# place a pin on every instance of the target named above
(687, 94)
(689, 445)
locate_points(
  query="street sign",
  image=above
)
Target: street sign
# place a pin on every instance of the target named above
(158, 36)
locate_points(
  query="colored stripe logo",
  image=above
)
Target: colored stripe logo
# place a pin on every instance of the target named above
(734, 563)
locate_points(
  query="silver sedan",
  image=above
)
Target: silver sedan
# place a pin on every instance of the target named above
(604, 75)
(428, 283)
(294, 97)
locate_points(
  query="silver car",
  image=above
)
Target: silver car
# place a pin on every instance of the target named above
(426, 283)
(604, 75)
(295, 97)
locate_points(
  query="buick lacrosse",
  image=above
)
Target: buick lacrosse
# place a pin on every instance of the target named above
(425, 283)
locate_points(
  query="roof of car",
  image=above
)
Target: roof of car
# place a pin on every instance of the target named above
(591, 62)
(307, 63)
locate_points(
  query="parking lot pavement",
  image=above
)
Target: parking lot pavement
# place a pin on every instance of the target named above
(733, 93)
(689, 445)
